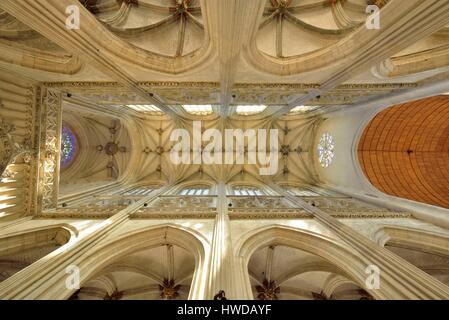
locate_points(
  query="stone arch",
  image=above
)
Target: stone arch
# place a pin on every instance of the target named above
(92, 264)
(417, 239)
(351, 265)
(333, 283)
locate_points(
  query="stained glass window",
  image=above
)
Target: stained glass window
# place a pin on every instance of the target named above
(326, 150)
(68, 146)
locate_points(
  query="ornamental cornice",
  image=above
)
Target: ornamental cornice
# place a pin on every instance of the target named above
(214, 85)
(210, 213)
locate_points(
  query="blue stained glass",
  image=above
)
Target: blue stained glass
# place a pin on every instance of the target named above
(68, 146)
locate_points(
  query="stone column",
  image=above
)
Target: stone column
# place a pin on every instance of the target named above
(220, 271)
(45, 276)
(224, 273)
(399, 279)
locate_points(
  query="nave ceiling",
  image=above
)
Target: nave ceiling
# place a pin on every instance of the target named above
(144, 145)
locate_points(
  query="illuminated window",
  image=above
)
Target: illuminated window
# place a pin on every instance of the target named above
(326, 149)
(146, 108)
(250, 110)
(247, 191)
(68, 147)
(195, 191)
(301, 109)
(198, 109)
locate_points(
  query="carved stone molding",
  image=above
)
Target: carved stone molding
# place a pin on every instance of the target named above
(6, 146)
(84, 212)
(371, 215)
(259, 202)
(191, 213)
(209, 92)
(50, 141)
(183, 202)
(210, 213)
(259, 213)
(343, 205)
(294, 213)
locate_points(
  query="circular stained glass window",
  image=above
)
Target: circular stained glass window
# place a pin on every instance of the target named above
(68, 146)
(326, 150)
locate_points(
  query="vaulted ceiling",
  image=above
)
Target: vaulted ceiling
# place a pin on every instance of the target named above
(167, 28)
(163, 272)
(404, 151)
(280, 53)
(103, 147)
(106, 150)
(284, 273)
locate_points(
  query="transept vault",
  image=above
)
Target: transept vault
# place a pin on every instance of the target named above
(98, 98)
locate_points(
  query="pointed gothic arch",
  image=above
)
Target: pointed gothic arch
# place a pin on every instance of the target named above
(97, 260)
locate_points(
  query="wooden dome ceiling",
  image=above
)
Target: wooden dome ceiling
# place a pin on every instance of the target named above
(404, 151)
